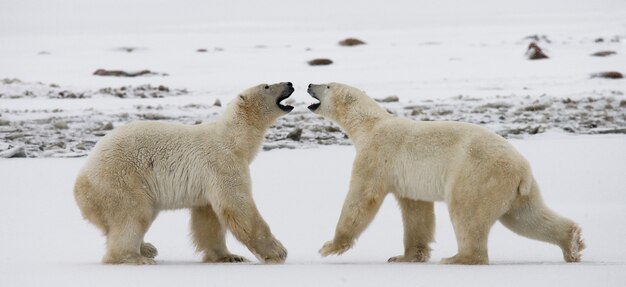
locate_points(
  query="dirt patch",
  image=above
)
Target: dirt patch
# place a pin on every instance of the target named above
(349, 42)
(320, 62)
(603, 53)
(120, 73)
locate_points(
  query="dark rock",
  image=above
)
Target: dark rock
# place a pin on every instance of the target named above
(14, 136)
(8, 81)
(497, 105)
(569, 129)
(143, 91)
(320, 62)
(127, 49)
(108, 126)
(57, 145)
(608, 75)
(81, 146)
(599, 40)
(611, 131)
(349, 42)
(201, 50)
(522, 130)
(389, 99)
(15, 152)
(332, 129)
(537, 107)
(534, 52)
(120, 73)
(154, 117)
(60, 125)
(217, 103)
(603, 53)
(442, 112)
(4, 122)
(68, 95)
(295, 134)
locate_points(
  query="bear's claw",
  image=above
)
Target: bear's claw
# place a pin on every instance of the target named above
(148, 250)
(330, 248)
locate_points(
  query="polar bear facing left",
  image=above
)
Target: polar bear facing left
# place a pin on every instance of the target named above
(141, 168)
(477, 173)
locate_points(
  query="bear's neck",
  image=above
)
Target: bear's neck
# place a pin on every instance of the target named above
(243, 133)
(358, 124)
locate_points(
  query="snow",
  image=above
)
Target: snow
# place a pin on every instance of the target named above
(445, 55)
(300, 193)
(416, 49)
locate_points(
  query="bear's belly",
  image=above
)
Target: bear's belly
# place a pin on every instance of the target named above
(179, 192)
(421, 181)
(425, 190)
(176, 199)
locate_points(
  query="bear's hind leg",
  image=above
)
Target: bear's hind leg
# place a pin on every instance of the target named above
(124, 243)
(530, 217)
(147, 249)
(418, 218)
(471, 239)
(473, 214)
(209, 236)
(127, 228)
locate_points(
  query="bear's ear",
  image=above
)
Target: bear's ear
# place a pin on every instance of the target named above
(243, 98)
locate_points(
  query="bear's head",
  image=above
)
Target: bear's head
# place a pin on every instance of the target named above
(335, 99)
(262, 103)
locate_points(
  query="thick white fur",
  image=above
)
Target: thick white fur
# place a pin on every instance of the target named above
(142, 168)
(477, 173)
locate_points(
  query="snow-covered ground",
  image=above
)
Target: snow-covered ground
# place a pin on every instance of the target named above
(300, 193)
(444, 60)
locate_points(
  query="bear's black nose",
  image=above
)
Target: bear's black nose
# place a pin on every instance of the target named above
(289, 84)
(310, 85)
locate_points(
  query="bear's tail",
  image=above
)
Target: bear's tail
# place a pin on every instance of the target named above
(526, 184)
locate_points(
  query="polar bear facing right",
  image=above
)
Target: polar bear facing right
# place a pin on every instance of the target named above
(480, 176)
(142, 168)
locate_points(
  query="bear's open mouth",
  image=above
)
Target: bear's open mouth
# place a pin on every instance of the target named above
(286, 93)
(314, 106)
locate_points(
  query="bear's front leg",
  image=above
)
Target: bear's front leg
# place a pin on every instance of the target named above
(362, 202)
(249, 228)
(239, 213)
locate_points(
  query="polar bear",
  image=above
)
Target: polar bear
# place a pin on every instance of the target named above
(142, 168)
(480, 176)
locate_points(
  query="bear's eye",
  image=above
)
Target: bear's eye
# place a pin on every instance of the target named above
(328, 87)
(267, 87)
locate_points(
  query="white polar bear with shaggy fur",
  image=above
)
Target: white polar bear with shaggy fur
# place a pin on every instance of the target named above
(480, 176)
(142, 168)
